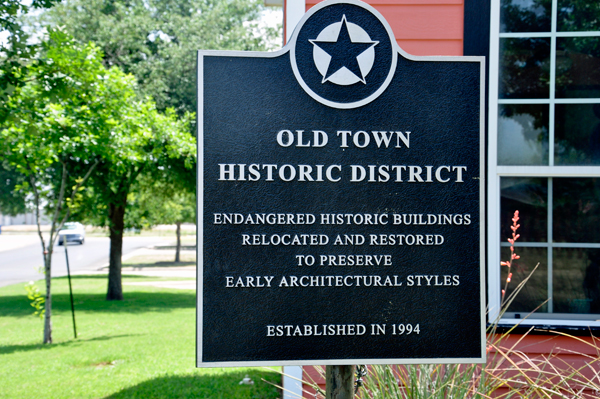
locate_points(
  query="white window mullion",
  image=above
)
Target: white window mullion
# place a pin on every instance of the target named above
(493, 177)
(494, 240)
(546, 171)
(548, 101)
(552, 83)
(526, 35)
(550, 204)
(551, 147)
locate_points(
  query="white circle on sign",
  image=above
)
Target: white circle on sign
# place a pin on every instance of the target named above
(343, 77)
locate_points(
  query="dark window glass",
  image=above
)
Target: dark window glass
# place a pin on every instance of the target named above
(524, 68)
(578, 15)
(523, 134)
(578, 67)
(577, 134)
(525, 15)
(576, 280)
(535, 292)
(529, 196)
(576, 210)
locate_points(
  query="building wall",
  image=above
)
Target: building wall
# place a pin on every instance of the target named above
(23, 219)
(423, 27)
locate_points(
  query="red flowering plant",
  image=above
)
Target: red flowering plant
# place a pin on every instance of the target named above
(513, 254)
(505, 300)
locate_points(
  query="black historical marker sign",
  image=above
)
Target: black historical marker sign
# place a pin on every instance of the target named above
(340, 188)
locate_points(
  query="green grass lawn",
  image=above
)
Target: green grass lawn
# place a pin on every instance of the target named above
(141, 347)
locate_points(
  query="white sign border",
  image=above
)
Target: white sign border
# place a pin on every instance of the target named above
(200, 207)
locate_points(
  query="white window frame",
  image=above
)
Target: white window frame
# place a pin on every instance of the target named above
(496, 172)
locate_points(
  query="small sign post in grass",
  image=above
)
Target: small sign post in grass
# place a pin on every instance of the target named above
(66, 244)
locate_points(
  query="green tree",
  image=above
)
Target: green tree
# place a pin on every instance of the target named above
(15, 53)
(12, 201)
(157, 40)
(164, 201)
(155, 144)
(71, 120)
(63, 115)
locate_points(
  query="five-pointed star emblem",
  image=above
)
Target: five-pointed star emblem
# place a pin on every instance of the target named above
(344, 52)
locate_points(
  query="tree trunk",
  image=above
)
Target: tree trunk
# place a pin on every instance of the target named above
(339, 382)
(48, 298)
(116, 214)
(178, 247)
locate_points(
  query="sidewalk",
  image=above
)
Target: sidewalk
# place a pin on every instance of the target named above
(150, 270)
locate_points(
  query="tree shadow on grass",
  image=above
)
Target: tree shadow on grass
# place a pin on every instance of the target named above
(135, 301)
(6, 349)
(183, 247)
(142, 266)
(207, 386)
(75, 277)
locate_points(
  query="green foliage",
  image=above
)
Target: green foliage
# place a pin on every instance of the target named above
(160, 201)
(11, 9)
(12, 201)
(69, 109)
(157, 40)
(75, 112)
(66, 117)
(15, 53)
(156, 145)
(73, 116)
(37, 299)
(578, 15)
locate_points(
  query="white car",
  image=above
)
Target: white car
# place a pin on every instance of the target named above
(71, 232)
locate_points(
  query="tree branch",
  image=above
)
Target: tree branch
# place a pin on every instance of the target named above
(135, 174)
(74, 193)
(63, 184)
(36, 196)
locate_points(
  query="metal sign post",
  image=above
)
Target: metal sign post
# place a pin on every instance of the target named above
(339, 382)
(66, 244)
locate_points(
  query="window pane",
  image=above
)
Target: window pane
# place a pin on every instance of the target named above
(576, 210)
(577, 134)
(524, 68)
(525, 15)
(529, 196)
(535, 291)
(578, 67)
(578, 15)
(523, 134)
(576, 280)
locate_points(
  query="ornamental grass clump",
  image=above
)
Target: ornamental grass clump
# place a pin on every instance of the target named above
(508, 373)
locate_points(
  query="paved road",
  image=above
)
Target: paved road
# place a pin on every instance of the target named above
(21, 256)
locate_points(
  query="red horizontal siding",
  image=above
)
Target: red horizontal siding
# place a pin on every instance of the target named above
(430, 27)
(430, 47)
